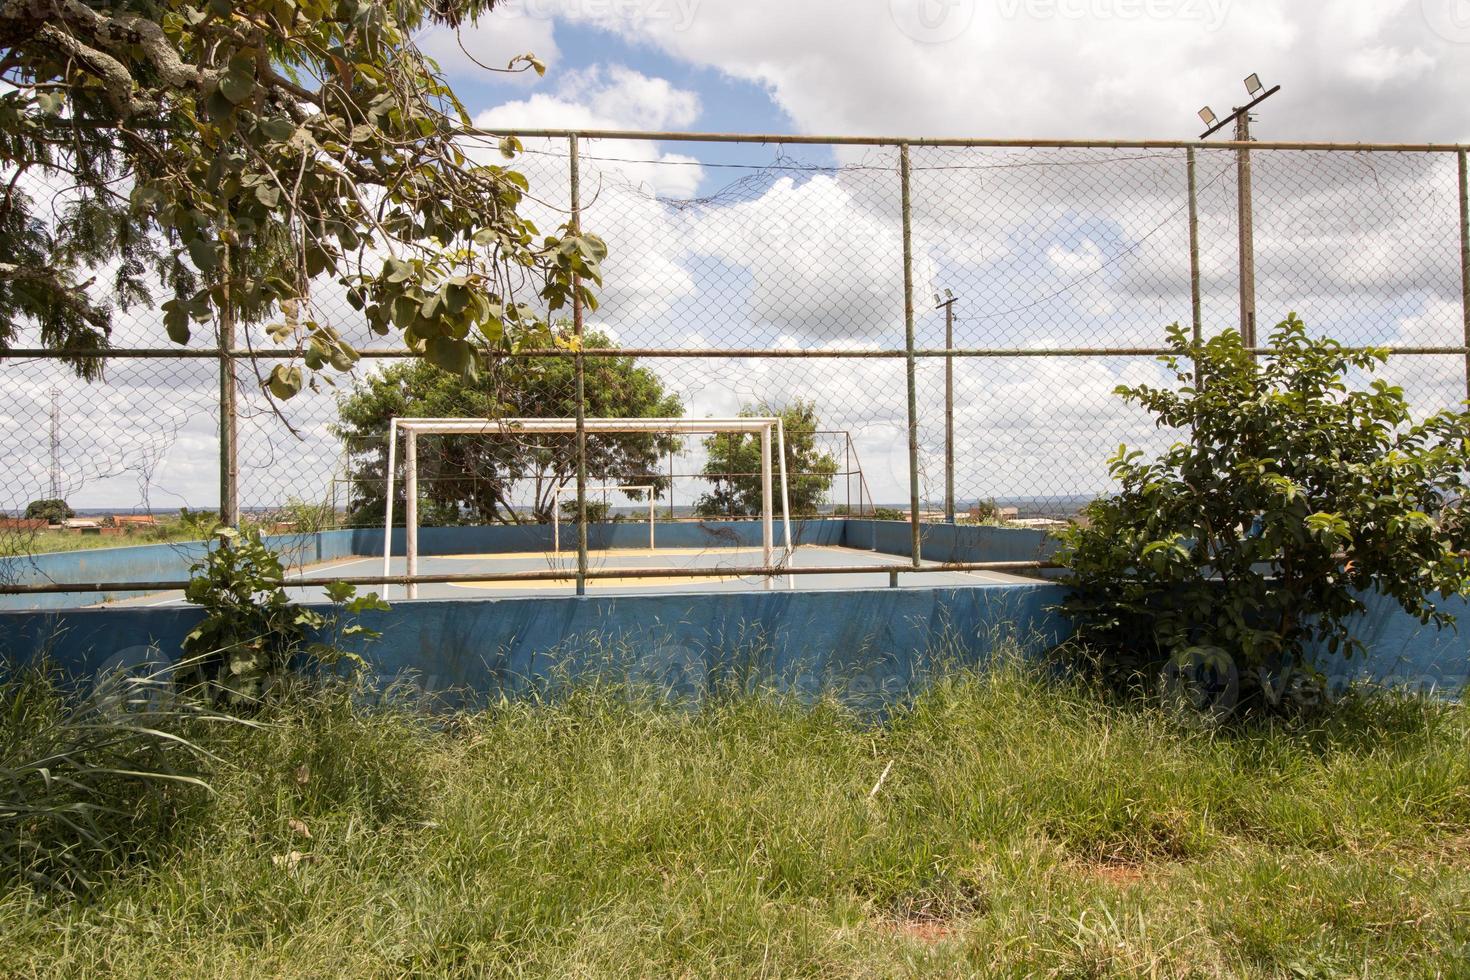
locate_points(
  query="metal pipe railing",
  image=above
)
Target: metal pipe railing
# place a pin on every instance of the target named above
(794, 139)
(161, 353)
(550, 575)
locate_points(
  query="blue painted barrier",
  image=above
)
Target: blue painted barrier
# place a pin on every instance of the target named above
(143, 563)
(872, 646)
(501, 539)
(490, 646)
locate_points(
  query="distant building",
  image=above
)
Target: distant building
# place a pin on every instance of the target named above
(984, 512)
(1041, 523)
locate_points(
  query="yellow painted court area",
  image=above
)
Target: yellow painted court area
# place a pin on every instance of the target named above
(617, 553)
(544, 583)
(737, 559)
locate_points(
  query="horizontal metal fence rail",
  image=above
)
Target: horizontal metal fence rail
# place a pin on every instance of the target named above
(959, 142)
(697, 353)
(550, 575)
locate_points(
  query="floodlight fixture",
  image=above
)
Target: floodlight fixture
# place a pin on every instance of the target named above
(1207, 116)
(948, 294)
(1253, 84)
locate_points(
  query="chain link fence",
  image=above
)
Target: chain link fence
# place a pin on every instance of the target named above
(766, 274)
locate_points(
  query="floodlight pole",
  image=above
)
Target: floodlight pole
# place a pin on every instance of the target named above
(1195, 320)
(1247, 231)
(1247, 247)
(949, 504)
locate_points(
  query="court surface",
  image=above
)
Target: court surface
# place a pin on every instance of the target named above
(727, 577)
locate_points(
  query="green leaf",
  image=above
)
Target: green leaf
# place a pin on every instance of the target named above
(203, 254)
(237, 86)
(277, 128)
(176, 321)
(457, 356)
(340, 591)
(284, 381)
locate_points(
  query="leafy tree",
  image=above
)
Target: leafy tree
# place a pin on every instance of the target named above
(233, 151)
(53, 510)
(1288, 496)
(465, 478)
(733, 465)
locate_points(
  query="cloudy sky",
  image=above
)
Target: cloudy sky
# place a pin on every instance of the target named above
(1391, 70)
(749, 245)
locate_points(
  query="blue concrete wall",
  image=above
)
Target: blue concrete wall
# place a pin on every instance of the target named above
(170, 562)
(951, 542)
(142, 563)
(489, 646)
(870, 646)
(600, 537)
(1404, 653)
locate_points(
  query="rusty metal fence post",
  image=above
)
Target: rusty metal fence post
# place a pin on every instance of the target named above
(229, 443)
(1246, 229)
(909, 348)
(580, 367)
(1196, 323)
(1465, 259)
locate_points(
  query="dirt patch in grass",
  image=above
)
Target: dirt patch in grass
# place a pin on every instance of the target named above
(1123, 874)
(921, 929)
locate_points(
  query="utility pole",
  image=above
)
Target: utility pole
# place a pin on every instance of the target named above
(1241, 116)
(947, 304)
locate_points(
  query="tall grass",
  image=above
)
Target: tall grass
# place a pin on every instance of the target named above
(999, 824)
(88, 777)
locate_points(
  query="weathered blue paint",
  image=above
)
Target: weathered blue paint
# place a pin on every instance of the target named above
(170, 562)
(1404, 653)
(872, 646)
(875, 638)
(502, 539)
(951, 542)
(143, 563)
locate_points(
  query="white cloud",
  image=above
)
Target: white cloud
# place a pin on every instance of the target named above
(1063, 248)
(1075, 67)
(1085, 260)
(633, 99)
(491, 44)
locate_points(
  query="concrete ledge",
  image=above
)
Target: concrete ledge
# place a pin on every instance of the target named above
(872, 645)
(875, 637)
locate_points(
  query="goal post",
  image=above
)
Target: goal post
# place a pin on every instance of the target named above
(564, 491)
(764, 427)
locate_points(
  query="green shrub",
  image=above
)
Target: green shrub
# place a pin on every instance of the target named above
(1287, 497)
(252, 630)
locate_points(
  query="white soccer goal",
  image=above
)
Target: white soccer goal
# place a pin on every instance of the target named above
(766, 428)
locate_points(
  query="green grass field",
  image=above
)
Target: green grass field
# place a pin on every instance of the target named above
(999, 826)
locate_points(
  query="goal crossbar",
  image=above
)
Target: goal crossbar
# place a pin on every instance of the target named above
(766, 427)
